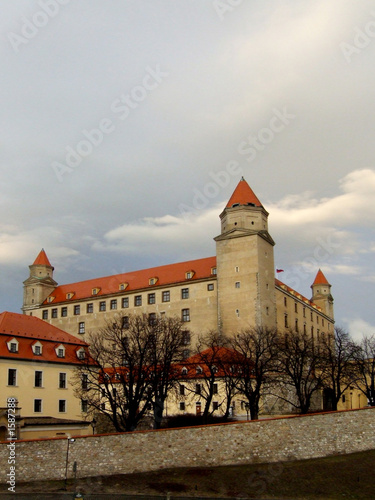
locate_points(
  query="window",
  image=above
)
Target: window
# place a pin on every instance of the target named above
(343, 398)
(198, 388)
(267, 310)
(296, 325)
(214, 271)
(304, 312)
(84, 381)
(37, 350)
(153, 281)
(285, 302)
(125, 322)
(95, 291)
(60, 351)
(182, 406)
(64, 312)
(45, 314)
(138, 300)
(54, 312)
(237, 313)
(62, 380)
(125, 302)
(123, 286)
(90, 308)
(189, 275)
(62, 405)
(13, 345)
(199, 369)
(102, 306)
(84, 405)
(166, 296)
(237, 269)
(185, 353)
(12, 376)
(210, 287)
(215, 405)
(237, 284)
(186, 337)
(113, 304)
(81, 327)
(215, 388)
(151, 298)
(152, 319)
(185, 293)
(182, 390)
(38, 379)
(317, 319)
(185, 315)
(285, 320)
(295, 307)
(37, 406)
(77, 310)
(81, 353)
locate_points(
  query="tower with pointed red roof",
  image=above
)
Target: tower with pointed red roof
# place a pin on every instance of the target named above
(245, 264)
(39, 284)
(321, 294)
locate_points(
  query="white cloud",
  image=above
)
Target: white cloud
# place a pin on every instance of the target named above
(358, 328)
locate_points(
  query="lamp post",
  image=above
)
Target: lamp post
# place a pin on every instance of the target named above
(70, 440)
(93, 423)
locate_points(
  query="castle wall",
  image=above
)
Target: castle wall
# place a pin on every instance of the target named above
(276, 440)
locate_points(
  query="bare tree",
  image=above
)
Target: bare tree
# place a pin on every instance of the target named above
(299, 370)
(203, 372)
(130, 369)
(254, 368)
(365, 368)
(338, 352)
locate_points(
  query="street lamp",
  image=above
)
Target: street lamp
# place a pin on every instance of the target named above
(70, 440)
(93, 423)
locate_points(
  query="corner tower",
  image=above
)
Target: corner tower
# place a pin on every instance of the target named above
(245, 264)
(39, 284)
(321, 294)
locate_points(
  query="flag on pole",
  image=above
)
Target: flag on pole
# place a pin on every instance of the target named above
(279, 270)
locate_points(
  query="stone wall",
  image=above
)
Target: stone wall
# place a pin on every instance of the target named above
(273, 440)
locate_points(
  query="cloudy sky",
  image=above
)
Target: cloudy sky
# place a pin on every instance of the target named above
(126, 125)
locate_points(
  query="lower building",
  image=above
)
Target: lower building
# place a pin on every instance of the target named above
(37, 369)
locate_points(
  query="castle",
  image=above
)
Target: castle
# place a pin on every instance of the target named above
(228, 292)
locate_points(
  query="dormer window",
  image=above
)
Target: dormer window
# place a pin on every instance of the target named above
(199, 370)
(69, 295)
(13, 345)
(184, 370)
(189, 275)
(95, 291)
(213, 271)
(153, 281)
(123, 286)
(37, 348)
(81, 354)
(60, 351)
(50, 299)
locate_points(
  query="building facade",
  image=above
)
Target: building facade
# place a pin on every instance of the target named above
(37, 370)
(228, 292)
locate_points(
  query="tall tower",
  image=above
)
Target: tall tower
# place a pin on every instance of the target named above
(39, 284)
(245, 264)
(321, 294)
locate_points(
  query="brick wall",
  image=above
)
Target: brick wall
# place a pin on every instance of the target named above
(286, 438)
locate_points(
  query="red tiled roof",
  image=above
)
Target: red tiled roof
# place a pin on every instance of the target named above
(218, 357)
(42, 259)
(28, 330)
(167, 275)
(243, 195)
(320, 279)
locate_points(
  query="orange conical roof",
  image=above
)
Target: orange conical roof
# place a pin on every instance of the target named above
(320, 279)
(42, 259)
(243, 195)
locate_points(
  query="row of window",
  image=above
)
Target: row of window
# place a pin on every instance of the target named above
(304, 311)
(198, 405)
(38, 406)
(37, 347)
(198, 389)
(113, 303)
(296, 325)
(38, 378)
